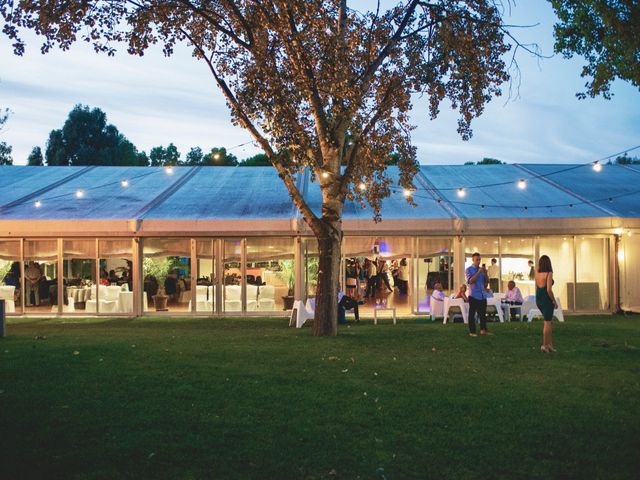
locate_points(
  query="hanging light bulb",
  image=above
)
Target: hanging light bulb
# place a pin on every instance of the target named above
(522, 184)
(362, 187)
(407, 193)
(461, 192)
(597, 166)
(38, 204)
(216, 156)
(325, 175)
(79, 194)
(168, 170)
(124, 183)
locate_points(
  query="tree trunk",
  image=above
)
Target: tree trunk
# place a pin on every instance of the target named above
(325, 322)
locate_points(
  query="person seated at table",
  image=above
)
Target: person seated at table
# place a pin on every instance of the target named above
(113, 278)
(437, 294)
(345, 302)
(104, 279)
(462, 293)
(513, 295)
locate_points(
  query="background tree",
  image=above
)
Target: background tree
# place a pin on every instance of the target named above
(5, 154)
(219, 157)
(35, 158)
(626, 160)
(194, 157)
(490, 161)
(607, 34)
(303, 76)
(87, 139)
(160, 156)
(259, 160)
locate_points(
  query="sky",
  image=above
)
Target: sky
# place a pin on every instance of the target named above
(154, 100)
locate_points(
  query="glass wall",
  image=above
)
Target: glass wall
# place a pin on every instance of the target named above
(434, 264)
(205, 276)
(79, 267)
(115, 292)
(380, 258)
(10, 276)
(233, 281)
(592, 275)
(560, 251)
(41, 276)
(516, 253)
(166, 270)
(270, 274)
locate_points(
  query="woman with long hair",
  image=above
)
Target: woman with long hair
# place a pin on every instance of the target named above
(545, 300)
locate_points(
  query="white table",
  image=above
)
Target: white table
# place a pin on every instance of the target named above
(383, 309)
(125, 300)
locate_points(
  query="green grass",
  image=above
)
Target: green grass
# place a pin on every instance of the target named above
(251, 398)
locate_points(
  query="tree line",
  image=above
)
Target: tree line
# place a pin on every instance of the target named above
(87, 139)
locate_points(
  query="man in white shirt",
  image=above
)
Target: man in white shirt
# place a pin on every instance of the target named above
(494, 275)
(512, 297)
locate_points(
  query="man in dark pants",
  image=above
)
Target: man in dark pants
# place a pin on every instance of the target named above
(345, 302)
(477, 279)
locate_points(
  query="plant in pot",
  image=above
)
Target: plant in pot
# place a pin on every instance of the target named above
(287, 275)
(157, 269)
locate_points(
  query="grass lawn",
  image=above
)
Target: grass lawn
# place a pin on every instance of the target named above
(251, 398)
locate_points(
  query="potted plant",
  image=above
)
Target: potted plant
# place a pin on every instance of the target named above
(158, 269)
(288, 275)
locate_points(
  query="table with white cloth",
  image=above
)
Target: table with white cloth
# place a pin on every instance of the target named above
(79, 294)
(125, 301)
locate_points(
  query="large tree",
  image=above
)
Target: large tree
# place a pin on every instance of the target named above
(316, 83)
(5, 149)
(87, 139)
(35, 158)
(607, 34)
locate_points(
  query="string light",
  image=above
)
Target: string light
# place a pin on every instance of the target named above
(79, 194)
(216, 156)
(522, 184)
(597, 166)
(325, 175)
(169, 170)
(362, 187)
(461, 192)
(124, 183)
(38, 204)
(407, 193)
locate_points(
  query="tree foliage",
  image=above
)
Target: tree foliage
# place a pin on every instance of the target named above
(161, 156)
(316, 83)
(35, 158)
(5, 154)
(627, 160)
(607, 34)
(259, 160)
(87, 139)
(219, 157)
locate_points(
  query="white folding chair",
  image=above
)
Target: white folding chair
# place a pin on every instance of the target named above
(528, 304)
(301, 312)
(202, 304)
(232, 298)
(7, 293)
(267, 298)
(252, 298)
(456, 302)
(436, 307)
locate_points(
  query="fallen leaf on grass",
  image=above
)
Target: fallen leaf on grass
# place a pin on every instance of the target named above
(76, 352)
(333, 358)
(345, 370)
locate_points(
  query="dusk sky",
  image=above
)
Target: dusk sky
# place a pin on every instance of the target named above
(155, 100)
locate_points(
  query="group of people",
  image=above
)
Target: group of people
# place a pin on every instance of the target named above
(375, 275)
(480, 287)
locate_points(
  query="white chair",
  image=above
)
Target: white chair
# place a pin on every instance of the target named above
(69, 308)
(267, 298)
(252, 298)
(528, 304)
(455, 302)
(496, 303)
(7, 293)
(109, 299)
(436, 307)
(556, 312)
(301, 312)
(202, 302)
(125, 301)
(232, 302)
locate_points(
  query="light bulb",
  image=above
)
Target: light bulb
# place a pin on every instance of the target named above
(124, 183)
(325, 174)
(79, 194)
(216, 156)
(461, 192)
(522, 184)
(169, 170)
(597, 166)
(38, 204)
(362, 187)
(406, 192)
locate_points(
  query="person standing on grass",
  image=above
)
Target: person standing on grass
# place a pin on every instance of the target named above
(545, 300)
(478, 280)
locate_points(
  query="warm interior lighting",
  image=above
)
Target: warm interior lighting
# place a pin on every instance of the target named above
(522, 184)
(79, 194)
(461, 192)
(618, 231)
(597, 166)
(124, 183)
